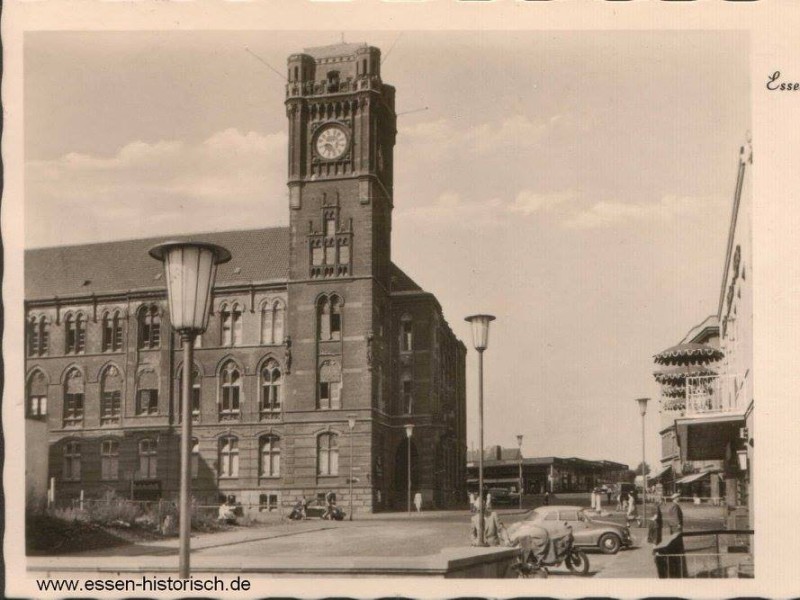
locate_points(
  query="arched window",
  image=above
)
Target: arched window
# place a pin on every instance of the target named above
(37, 396)
(73, 399)
(149, 328)
(271, 390)
(329, 318)
(147, 393)
(273, 316)
(109, 460)
(148, 459)
(406, 334)
(270, 456)
(229, 456)
(231, 318)
(330, 385)
(195, 391)
(38, 336)
(75, 330)
(328, 454)
(230, 392)
(110, 396)
(72, 461)
(112, 332)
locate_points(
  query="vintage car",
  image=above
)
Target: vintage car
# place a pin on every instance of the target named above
(588, 533)
(316, 509)
(503, 496)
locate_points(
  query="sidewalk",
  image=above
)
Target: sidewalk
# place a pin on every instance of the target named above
(635, 562)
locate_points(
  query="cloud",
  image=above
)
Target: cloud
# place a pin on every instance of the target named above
(449, 209)
(445, 136)
(607, 213)
(231, 179)
(528, 202)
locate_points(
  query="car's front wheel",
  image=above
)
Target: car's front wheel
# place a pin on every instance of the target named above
(609, 544)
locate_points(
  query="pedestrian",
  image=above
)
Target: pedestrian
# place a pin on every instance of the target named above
(670, 553)
(472, 502)
(608, 495)
(547, 498)
(418, 502)
(488, 501)
(494, 531)
(632, 515)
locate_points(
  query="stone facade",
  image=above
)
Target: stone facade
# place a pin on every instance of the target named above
(310, 325)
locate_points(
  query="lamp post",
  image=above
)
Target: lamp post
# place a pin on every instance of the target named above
(351, 423)
(519, 442)
(190, 269)
(409, 433)
(642, 411)
(480, 340)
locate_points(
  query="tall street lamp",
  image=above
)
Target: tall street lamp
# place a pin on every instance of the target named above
(519, 442)
(642, 411)
(351, 423)
(190, 269)
(480, 340)
(409, 433)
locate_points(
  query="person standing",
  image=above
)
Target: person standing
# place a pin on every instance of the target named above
(670, 553)
(488, 501)
(418, 502)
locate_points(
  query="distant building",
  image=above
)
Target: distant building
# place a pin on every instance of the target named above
(310, 324)
(707, 381)
(541, 474)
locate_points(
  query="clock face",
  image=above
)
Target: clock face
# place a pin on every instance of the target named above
(331, 142)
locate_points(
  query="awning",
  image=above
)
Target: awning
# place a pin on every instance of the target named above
(660, 473)
(692, 478)
(708, 438)
(689, 352)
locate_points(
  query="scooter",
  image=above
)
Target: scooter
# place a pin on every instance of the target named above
(560, 550)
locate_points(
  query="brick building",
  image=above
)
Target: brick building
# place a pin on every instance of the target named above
(310, 324)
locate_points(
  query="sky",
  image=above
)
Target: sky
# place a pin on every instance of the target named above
(577, 185)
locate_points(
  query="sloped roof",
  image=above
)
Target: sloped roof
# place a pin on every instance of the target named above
(259, 255)
(402, 282)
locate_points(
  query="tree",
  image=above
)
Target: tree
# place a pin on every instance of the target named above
(639, 469)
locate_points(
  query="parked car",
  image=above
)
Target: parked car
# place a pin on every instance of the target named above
(317, 508)
(588, 533)
(503, 496)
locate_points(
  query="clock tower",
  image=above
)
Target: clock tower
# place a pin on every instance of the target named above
(341, 138)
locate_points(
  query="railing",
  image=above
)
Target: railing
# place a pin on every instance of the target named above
(712, 394)
(718, 554)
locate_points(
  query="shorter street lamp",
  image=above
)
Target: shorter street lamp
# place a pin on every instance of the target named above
(190, 268)
(351, 423)
(480, 340)
(642, 402)
(409, 433)
(519, 442)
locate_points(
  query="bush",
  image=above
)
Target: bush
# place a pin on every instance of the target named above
(113, 510)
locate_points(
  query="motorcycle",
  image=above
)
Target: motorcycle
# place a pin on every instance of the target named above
(540, 550)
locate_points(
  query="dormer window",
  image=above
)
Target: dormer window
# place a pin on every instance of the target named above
(333, 81)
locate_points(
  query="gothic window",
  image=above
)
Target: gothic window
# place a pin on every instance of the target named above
(271, 390)
(231, 317)
(147, 393)
(406, 334)
(73, 398)
(72, 461)
(330, 385)
(195, 393)
(273, 317)
(230, 392)
(148, 459)
(149, 327)
(229, 456)
(344, 254)
(38, 336)
(270, 456)
(75, 330)
(336, 318)
(317, 255)
(328, 454)
(109, 460)
(37, 396)
(330, 249)
(408, 395)
(112, 332)
(110, 396)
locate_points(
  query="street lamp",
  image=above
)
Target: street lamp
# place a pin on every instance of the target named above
(190, 269)
(519, 442)
(409, 433)
(642, 411)
(351, 423)
(480, 340)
